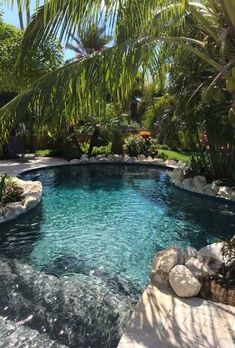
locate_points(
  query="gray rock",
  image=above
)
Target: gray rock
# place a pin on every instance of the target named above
(99, 157)
(226, 192)
(213, 251)
(199, 183)
(84, 158)
(93, 160)
(75, 161)
(131, 160)
(117, 157)
(190, 252)
(188, 184)
(183, 282)
(141, 158)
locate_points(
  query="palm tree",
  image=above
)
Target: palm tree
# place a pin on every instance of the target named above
(141, 29)
(94, 39)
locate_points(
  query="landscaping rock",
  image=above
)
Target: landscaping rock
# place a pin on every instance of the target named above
(190, 252)
(99, 157)
(93, 160)
(110, 158)
(117, 157)
(32, 195)
(188, 184)
(163, 262)
(213, 251)
(208, 190)
(177, 176)
(215, 187)
(84, 158)
(75, 161)
(171, 163)
(197, 268)
(131, 160)
(183, 282)
(199, 183)
(141, 158)
(226, 192)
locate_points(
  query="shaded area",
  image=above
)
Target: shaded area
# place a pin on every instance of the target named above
(162, 319)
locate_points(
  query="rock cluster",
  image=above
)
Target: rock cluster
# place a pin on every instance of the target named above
(32, 195)
(199, 184)
(126, 159)
(185, 270)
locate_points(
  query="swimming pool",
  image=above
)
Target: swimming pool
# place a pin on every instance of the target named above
(100, 225)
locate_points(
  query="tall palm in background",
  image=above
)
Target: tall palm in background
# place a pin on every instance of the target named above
(94, 39)
(142, 30)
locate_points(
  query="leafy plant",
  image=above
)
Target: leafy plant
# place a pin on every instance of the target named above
(139, 144)
(9, 191)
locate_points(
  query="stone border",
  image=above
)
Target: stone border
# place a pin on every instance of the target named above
(199, 185)
(32, 195)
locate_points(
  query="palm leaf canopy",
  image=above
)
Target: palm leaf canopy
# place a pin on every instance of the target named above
(141, 30)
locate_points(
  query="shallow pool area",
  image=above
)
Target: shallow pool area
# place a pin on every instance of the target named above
(93, 238)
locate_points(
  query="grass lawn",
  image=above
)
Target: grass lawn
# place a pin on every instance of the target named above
(176, 155)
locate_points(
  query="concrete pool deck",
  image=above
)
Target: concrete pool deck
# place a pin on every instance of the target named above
(14, 167)
(162, 320)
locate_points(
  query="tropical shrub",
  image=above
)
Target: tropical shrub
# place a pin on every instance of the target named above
(140, 144)
(9, 191)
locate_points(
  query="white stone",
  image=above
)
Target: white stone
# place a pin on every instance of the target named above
(199, 183)
(110, 157)
(208, 190)
(149, 159)
(171, 163)
(190, 252)
(226, 192)
(141, 158)
(163, 262)
(188, 184)
(84, 158)
(183, 282)
(177, 175)
(131, 160)
(99, 157)
(93, 160)
(75, 161)
(213, 251)
(117, 157)
(197, 268)
(215, 187)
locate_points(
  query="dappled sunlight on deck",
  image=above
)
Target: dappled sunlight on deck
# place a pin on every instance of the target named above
(162, 319)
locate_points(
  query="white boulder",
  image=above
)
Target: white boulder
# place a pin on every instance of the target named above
(93, 160)
(117, 157)
(190, 252)
(84, 158)
(163, 262)
(177, 175)
(141, 158)
(75, 161)
(183, 282)
(131, 160)
(213, 251)
(188, 184)
(226, 192)
(198, 268)
(100, 157)
(199, 183)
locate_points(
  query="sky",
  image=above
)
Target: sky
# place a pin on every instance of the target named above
(10, 16)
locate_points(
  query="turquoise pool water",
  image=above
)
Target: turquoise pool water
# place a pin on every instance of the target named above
(106, 222)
